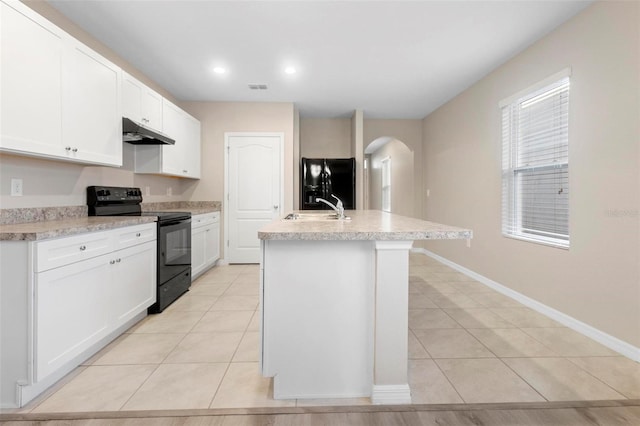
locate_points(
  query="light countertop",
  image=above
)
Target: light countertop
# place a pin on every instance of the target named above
(373, 225)
(41, 230)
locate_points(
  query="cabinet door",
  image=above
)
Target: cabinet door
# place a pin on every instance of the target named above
(214, 251)
(31, 64)
(92, 113)
(173, 155)
(191, 166)
(133, 288)
(71, 312)
(140, 103)
(198, 250)
(152, 109)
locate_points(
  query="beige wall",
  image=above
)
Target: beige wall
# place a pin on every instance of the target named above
(409, 132)
(325, 137)
(402, 178)
(597, 280)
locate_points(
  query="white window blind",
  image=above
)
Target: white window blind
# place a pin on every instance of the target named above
(535, 165)
(386, 184)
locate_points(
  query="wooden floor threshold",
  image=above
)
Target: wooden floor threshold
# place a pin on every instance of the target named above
(355, 409)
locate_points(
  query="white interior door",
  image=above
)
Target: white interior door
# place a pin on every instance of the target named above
(254, 191)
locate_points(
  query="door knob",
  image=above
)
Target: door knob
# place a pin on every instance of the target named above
(275, 207)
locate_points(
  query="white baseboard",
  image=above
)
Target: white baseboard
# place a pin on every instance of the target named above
(599, 336)
(391, 394)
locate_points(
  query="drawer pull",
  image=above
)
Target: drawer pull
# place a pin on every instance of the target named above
(83, 248)
(118, 260)
(113, 262)
(138, 234)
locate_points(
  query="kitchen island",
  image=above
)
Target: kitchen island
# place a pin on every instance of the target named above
(334, 304)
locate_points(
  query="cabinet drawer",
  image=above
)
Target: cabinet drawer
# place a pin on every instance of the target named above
(63, 251)
(205, 219)
(134, 235)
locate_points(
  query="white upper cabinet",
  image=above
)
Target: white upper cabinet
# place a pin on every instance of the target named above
(59, 98)
(91, 105)
(181, 159)
(140, 103)
(31, 81)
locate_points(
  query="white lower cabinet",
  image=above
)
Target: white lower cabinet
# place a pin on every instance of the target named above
(71, 313)
(68, 298)
(205, 242)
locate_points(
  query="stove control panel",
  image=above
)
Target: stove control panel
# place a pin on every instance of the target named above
(107, 195)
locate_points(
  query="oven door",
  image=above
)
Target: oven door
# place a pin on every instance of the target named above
(174, 248)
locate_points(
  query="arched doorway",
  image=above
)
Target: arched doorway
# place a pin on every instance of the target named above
(389, 176)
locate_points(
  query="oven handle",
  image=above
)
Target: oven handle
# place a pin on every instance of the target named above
(175, 222)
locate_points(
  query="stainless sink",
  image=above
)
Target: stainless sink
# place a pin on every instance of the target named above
(314, 217)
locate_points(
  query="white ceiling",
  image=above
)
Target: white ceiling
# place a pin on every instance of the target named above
(392, 59)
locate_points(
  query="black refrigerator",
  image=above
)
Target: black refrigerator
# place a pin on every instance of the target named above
(321, 177)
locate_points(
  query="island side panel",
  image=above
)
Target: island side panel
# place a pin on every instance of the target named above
(391, 385)
(317, 330)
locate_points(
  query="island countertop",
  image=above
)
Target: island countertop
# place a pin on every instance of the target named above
(372, 225)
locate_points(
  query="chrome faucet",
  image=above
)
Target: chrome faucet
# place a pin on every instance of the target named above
(338, 207)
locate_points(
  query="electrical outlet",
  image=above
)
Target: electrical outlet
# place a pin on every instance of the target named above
(469, 242)
(147, 191)
(169, 191)
(16, 187)
(428, 193)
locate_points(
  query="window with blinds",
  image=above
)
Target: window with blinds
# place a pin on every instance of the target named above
(535, 164)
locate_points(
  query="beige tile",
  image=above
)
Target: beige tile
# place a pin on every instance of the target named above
(467, 287)
(451, 276)
(416, 350)
(433, 288)
(332, 402)
(429, 385)
(192, 302)
(495, 300)
(478, 318)
(525, 317)
(178, 386)
(452, 343)
(566, 342)
(141, 349)
(454, 300)
(420, 319)
(209, 289)
(98, 388)
(486, 380)
(619, 372)
(205, 347)
(511, 342)
(419, 301)
(249, 348)
(215, 321)
(243, 386)
(169, 322)
(235, 303)
(558, 379)
(242, 289)
(248, 279)
(254, 325)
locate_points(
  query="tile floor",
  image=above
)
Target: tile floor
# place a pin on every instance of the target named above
(467, 344)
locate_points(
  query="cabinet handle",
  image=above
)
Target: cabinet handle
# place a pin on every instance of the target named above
(83, 248)
(138, 234)
(118, 260)
(184, 171)
(113, 262)
(67, 148)
(74, 150)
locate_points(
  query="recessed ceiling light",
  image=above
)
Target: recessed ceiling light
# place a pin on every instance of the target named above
(219, 70)
(290, 70)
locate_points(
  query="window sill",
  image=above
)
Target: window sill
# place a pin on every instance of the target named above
(549, 243)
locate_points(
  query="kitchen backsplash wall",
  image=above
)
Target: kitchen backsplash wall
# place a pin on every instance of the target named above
(55, 183)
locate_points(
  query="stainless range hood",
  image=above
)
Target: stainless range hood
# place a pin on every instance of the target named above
(138, 134)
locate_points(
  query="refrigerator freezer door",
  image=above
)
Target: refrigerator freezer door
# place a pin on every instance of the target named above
(313, 183)
(341, 180)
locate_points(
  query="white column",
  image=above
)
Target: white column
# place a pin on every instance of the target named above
(390, 376)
